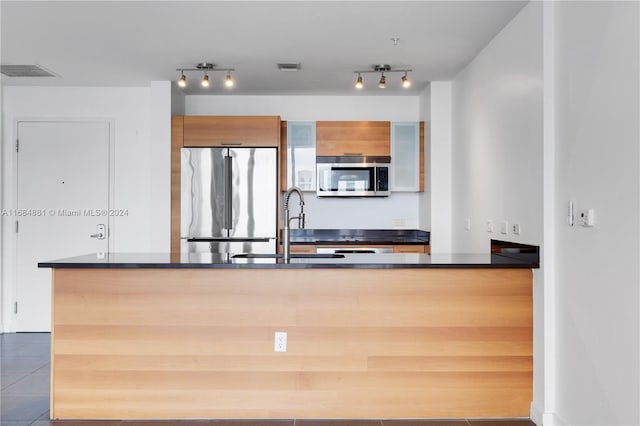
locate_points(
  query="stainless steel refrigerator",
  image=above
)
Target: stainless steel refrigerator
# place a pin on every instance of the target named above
(228, 200)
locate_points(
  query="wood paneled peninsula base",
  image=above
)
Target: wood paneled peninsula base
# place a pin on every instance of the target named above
(364, 342)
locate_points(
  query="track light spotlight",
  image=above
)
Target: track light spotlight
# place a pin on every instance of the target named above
(406, 83)
(182, 82)
(359, 82)
(383, 82)
(205, 80)
(228, 81)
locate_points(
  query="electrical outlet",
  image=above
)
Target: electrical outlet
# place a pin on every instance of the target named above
(398, 223)
(280, 341)
(515, 228)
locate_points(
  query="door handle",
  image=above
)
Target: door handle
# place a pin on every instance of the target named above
(101, 233)
(228, 192)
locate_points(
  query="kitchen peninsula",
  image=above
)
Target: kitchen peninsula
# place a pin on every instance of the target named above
(189, 336)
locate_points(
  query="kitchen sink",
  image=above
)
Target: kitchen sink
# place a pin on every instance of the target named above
(293, 256)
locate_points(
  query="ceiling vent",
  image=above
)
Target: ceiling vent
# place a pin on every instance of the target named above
(25, 71)
(289, 67)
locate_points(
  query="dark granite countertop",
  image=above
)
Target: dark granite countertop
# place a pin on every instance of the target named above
(364, 261)
(359, 236)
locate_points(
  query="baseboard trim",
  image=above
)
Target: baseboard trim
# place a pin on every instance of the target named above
(540, 418)
(552, 419)
(536, 414)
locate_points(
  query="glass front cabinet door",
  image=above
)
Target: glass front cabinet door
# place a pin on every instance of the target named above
(301, 154)
(405, 156)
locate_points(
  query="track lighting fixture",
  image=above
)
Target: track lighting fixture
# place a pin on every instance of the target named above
(382, 69)
(206, 68)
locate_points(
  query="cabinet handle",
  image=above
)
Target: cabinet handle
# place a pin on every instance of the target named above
(352, 153)
(231, 143)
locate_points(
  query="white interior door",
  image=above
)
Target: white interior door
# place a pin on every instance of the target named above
(62, 198)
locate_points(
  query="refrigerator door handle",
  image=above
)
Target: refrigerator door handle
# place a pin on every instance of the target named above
(228, 192)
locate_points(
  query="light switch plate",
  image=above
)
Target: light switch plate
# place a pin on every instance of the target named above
(587, 218)
(504, 227)
(489, 226)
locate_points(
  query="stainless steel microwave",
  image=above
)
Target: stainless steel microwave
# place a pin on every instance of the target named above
(352, 176)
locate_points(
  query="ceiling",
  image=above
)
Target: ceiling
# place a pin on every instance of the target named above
(129, 43)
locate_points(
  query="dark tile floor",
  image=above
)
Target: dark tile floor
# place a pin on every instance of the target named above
(24, 379)
(24, 395)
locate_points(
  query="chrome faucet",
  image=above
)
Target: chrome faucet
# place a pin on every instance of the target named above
(285, 231)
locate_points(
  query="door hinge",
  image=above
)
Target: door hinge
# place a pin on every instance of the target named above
(16, 226)
(15, 307)
(17, 145)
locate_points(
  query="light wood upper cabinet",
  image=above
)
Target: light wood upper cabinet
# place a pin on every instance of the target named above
(365, 138)
(207, 131)
(283, 156)
(177, 133)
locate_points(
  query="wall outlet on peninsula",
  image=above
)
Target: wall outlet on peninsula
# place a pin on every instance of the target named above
(280, 341)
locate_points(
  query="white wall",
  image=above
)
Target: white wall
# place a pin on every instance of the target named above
(424, 199)
(137, 117)
(178, 101)
(400, 210)
(142, 157)
(159, 158)
(497, 154)
(1, 201)
(321, 108)
(497, 133)
(544, 405)
(597, 138)
(441, 165)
